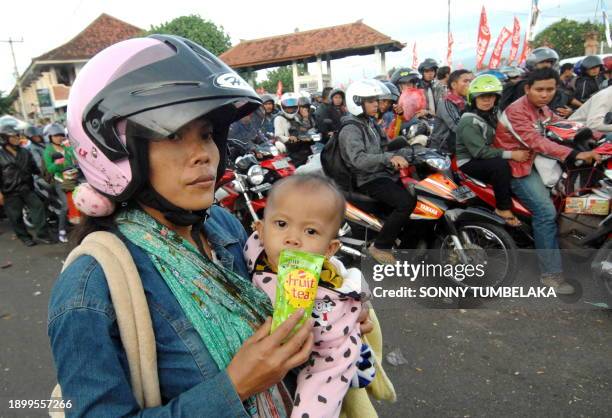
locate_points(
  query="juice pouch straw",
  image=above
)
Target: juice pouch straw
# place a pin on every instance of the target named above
(298, 279)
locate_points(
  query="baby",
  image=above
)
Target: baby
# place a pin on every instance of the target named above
(304, 212)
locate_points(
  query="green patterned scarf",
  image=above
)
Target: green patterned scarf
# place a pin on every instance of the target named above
(223, 307)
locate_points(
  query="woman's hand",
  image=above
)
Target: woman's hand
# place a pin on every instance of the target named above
(366, 326)
(263, 361)
(520, 155)
(293, 139)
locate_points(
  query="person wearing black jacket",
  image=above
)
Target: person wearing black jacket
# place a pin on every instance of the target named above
(328, 115)
(17, 168)
(588, 82)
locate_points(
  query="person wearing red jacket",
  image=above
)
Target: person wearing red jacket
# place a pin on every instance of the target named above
(518, 128)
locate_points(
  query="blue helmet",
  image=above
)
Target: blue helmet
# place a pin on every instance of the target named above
(500, 76)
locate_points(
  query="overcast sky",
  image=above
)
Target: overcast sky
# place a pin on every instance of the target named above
(44, 25)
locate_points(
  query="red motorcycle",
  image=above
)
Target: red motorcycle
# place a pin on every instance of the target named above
(244, 186)
(576, 231)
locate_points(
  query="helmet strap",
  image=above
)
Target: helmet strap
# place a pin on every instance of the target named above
(150, 197)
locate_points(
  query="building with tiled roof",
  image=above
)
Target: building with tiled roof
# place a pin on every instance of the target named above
(315, 45)
(52, 73)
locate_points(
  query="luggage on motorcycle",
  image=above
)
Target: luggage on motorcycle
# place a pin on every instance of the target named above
(331, 159)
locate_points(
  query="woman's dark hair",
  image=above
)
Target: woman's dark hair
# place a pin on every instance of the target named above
(443, 72)
(541, 75)
(90, 224)
(456, 75)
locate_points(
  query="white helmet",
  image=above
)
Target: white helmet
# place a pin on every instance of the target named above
(359, 90)
(289, 100)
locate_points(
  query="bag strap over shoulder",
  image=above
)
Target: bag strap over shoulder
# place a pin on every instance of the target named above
(131, 308)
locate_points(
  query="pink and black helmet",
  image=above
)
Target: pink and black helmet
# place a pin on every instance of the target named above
(142, 89)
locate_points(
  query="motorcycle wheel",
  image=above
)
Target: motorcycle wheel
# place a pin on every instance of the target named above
(488, 244)
(27, 219)
(601, 268)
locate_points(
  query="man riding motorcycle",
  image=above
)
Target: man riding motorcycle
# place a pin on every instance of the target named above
(269, 114)
(286, 129)
(588, 82)
(374, 171)
(518, 129)
(428, 70)
(17, 168)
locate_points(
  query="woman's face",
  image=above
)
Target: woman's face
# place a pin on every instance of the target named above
(384, 105)
(485, 102)
(183, 169)
(304, 111)
(337, 99)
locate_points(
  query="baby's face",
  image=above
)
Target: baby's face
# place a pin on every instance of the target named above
(298, 222)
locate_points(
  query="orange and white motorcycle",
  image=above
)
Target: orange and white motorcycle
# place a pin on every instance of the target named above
(443, 221)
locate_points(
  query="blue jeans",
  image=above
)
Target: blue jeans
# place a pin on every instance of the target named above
(536, 197)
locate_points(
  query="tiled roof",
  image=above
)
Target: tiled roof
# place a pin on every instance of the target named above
(101, 33)
(334, 42)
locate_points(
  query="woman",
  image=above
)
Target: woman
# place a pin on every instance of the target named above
(475, 133)
(150, 132)
(60, 163)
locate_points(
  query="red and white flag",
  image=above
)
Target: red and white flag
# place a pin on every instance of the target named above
(484, 36)
(415, 59)
(516, 41)
(503, 37)
(449, 52)
(279, 88)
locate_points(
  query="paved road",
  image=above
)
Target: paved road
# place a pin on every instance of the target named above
(504, 361)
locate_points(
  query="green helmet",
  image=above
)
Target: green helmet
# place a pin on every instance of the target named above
(484, 84)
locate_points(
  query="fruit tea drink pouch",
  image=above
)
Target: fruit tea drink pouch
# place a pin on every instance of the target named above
(298, 280)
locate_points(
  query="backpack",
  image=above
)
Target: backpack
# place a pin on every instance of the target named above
(133, 318)
(332, 162)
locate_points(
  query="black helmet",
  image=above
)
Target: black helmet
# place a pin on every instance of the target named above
(428, 64)
(32, 131)
(394, 93)
(144, 95)
(539, 55)
(591, 61)
(404, 75)
(303, 102)
(334, 92)
(267, 97)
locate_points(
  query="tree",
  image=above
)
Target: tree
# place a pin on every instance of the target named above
(5, 104)
(567, 37)
(284, 74)
(201, 31)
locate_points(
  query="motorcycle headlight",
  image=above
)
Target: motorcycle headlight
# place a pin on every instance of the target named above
(441, 164)
(255, 175)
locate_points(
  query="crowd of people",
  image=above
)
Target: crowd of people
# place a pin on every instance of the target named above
(486, 120)
(38, 159)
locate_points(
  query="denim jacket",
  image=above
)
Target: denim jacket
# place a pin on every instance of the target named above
(91, 364)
